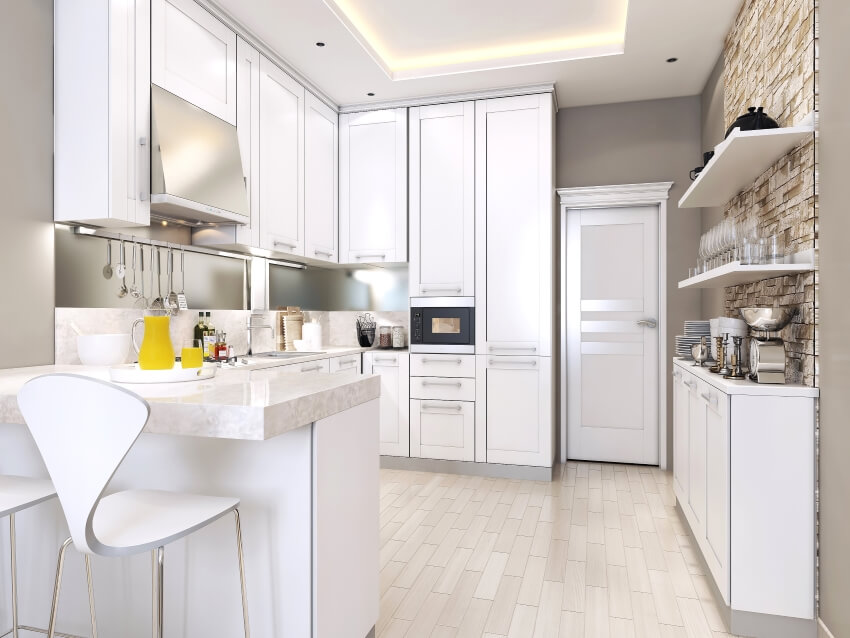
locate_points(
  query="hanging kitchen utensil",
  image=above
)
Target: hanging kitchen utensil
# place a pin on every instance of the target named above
(171, 300)
(121, 271)
(158, 303)
(756, 119)
(135, 293)
(181, 296)
(141, 300)
(107, 269)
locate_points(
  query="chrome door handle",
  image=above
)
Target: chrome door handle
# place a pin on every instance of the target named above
(455, 384)
(433, 406)
(649, 323)
(455, 361)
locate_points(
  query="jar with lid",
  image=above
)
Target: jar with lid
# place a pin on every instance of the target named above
(385, 337)
(398, 337)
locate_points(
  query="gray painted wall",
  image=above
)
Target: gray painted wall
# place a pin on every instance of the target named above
(834, 302)
(713, 132)
(26, 181)
(634, 142)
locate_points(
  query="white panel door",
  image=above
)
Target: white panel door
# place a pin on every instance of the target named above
(442, 429)
(193, 55)
(442, 200)
(717, 486)
(248, 131)
(373, 187)
(612, 343)
(514, 206)
(514, 423)
(320, 180)
(281, 160)
(681, 411)
(394, 370)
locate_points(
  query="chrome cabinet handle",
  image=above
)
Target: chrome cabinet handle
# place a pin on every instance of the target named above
(323, 252)
(391, 360)
(521, 348)
(434, 406)
(381, 255)
(348, 361)
(285, 243)
(318, 367)
(143, 142)
(455, 384)
(455, 289)
(690, 384)
(520, 363)
(711, 399)
(649, 323)
(455, 361)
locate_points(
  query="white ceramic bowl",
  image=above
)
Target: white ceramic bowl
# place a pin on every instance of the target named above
(301, 345)
(103, 350)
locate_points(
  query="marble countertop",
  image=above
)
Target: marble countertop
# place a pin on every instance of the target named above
(235, 404)
(745, 386)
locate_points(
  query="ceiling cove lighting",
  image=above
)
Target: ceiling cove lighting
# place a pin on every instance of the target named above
(590, 45)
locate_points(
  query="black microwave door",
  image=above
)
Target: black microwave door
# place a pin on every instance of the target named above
(449, 326)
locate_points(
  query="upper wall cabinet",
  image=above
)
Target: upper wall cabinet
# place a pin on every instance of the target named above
(320, 180)
(281, 161)
(193, 55)
(373, 186)
(442, 200)
(514, 223)
(102, 112)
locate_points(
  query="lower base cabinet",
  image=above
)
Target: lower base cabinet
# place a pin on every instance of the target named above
(514, 416)
(394, 370)
(442, 429)
(743, 476)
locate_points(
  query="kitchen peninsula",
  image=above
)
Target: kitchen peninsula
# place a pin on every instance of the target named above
(299, 450)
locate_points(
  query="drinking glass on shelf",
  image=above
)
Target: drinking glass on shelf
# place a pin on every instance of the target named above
(775, 249)
(192, 354)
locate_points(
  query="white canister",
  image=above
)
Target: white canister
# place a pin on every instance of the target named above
(398, 337)
(311, 332)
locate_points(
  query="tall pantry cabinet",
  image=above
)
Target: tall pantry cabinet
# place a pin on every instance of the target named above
(514, 225)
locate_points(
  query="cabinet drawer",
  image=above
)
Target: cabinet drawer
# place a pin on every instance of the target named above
(345, 364)
(323, 365)
(442, 365)
(442, 430)
(442, 388)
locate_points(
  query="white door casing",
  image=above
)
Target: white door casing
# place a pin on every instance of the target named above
(612, 337)
(623, 195)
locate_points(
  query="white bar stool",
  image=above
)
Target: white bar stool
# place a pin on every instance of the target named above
(84, 428)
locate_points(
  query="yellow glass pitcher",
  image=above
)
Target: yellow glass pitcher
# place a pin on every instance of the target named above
(156, 351)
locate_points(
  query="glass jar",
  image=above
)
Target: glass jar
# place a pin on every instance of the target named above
(398, 337)
(385, 337)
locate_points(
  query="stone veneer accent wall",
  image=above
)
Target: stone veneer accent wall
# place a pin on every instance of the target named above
(770, 60)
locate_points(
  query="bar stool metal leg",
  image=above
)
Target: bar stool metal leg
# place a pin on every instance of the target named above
(51, 627)
(14, 565)
(91, 597)
(159, 563)
(242, 574)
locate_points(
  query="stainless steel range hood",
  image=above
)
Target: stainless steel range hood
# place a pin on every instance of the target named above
(196, 168)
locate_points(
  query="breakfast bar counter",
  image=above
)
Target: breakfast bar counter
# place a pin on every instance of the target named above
(299, 450)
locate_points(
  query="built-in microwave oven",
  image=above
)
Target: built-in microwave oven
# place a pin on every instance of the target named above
(442, 324)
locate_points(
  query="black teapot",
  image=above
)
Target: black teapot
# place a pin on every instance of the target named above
(754, 120)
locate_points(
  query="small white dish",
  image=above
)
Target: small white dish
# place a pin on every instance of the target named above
(103, 350)
(301, 345)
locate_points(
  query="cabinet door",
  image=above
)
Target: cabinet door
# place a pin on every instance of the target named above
(248, 131)
(442, 430)
(320, 180)
(514, 221)
(193, 55)
(442, 200)
(717, 487)
(681, 410)
(514, 414)
(696, 460)
(373, 186)
(281, 161)
(394, 370)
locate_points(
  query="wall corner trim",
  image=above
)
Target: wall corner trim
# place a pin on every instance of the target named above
(621, 195)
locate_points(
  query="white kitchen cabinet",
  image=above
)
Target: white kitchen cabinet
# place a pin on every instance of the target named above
(514, 410)
(442, 365)
(442, 429)
(281, 161)
(193, 55)
(394, 370)
(373, 187)
(320, 180)
(102, 112)
(747, 451)
(347, 364)
(442, 200)
(514, 222)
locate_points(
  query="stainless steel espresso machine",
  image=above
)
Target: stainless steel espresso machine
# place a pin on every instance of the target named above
(767, 350)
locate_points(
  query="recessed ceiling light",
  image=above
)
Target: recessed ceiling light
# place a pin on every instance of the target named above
(320, 44)
(672, 60)
(370, 94)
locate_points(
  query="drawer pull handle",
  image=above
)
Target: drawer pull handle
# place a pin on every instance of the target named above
(310, 369)
(493, 362)
(378, 255)
(323, 252)
(285, 243)
(709, 398)
(434, 406)
(456, 384)
(348, 361)
(520, 348)
(427, 290)
(690, 384)
(390, 360)
(455, 361)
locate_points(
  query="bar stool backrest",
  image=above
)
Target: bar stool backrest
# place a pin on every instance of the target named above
(83, 428)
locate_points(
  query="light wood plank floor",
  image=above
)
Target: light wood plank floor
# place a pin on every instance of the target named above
(599, 552)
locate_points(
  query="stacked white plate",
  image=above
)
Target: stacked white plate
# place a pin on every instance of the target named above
(695, 330)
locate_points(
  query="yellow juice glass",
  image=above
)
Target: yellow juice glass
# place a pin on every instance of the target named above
(156, 351)
(192, 354)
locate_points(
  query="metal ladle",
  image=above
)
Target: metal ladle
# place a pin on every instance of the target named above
(107, 269)
(135, 293)
(158, 303)
(121, 271)
(171, 301)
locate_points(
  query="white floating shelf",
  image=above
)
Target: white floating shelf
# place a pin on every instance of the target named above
(739, 160)
(734, 274)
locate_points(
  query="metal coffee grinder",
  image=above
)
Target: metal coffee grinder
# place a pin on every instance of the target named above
(767, 351)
